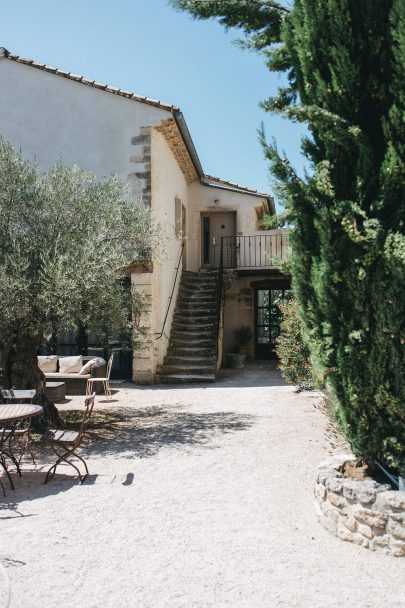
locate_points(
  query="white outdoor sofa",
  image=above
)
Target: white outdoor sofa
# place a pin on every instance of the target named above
(73, 371)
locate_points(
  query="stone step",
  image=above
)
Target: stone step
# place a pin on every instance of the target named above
(191, 355)
(200, 278)
(188, 359)
(192, 344)
(202, 273)
(201, 301)
(190, 327)
(208, 292)
(206, 278)
(213, 285)
(192, 339)
(194, 319)
(191, 336)
(199, 308)
(211, 281)
(194, 302)
(185, 369)
(196, 312)
(185, 378)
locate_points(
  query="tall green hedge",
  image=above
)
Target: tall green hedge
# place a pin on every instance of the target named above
(292, 352)
(348, 240)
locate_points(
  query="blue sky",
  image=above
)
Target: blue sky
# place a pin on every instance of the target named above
(147, 47)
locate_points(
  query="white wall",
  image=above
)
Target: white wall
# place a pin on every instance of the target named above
(202, 201)
(51, 118)
(168, 182)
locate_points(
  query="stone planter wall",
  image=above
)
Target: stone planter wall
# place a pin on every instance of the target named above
(367, 513)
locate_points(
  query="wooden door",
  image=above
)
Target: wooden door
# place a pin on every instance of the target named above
(217, 226)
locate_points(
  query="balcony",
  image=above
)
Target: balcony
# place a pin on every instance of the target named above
(265, 250)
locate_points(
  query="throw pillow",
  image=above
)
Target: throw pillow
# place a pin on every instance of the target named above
(87, 367)
(48, 363)
(70, 365)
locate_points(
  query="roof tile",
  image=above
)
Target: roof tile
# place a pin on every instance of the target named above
(93, 83)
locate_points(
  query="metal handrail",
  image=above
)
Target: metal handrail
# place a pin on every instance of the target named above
(220, 295)
(159, 335)
(254, 251)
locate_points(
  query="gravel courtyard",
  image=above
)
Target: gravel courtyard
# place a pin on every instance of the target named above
(198, 497)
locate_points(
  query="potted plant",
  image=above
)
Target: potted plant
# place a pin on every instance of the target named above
(243, 335)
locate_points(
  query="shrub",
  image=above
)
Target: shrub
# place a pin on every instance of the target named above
(243, 335)
(291, 349)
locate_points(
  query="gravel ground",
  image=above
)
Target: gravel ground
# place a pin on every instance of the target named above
(198, 497)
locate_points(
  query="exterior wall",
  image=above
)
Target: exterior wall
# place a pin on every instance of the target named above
(239, 305)
(104, 134)
(142, 365)
(168, 183)
(238, 312)
(50, 118)
(202, 200)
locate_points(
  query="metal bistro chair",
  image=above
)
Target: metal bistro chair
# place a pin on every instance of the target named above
(65, 443)
(21, 434)
(105, 381)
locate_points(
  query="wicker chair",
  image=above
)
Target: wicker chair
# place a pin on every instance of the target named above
(65, 443)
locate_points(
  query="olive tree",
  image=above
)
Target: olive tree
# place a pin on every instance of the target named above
(65, 241)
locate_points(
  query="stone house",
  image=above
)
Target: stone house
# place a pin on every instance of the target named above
(213, 227)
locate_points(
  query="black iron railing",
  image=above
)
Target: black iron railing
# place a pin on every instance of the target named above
(220, 297)
(254, 251)
(169, 302)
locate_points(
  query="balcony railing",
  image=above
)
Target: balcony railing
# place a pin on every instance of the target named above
(263, 250)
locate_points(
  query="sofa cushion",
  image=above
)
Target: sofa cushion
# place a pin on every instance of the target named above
(48, 363)
(70, 365)
(59, 376)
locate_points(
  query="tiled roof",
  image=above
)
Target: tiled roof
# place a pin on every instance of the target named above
(4, 53)
(87, 81)
(235, 185)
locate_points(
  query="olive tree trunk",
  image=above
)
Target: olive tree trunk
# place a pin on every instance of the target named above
(21, 371)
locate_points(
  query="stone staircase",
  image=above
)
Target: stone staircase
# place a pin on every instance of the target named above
(191, 355)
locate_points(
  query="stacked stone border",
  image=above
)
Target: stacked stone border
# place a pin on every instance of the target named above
(367, 513)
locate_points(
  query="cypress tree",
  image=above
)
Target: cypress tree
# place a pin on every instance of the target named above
(349, 231)
(345, 61)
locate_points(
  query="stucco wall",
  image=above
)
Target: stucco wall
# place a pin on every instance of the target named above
(168, 182)
(239, 304)
(202, 200)
(238, 312)
(50, 118)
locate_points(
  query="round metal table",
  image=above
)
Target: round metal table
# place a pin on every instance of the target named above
(10, 415)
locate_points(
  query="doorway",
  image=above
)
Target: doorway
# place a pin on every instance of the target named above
(215, 226)
(268, 320)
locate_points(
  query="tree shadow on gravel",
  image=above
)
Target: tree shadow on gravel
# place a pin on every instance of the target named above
(142, 433)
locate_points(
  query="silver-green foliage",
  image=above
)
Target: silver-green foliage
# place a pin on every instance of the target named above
(292, 351)
(65, 239)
